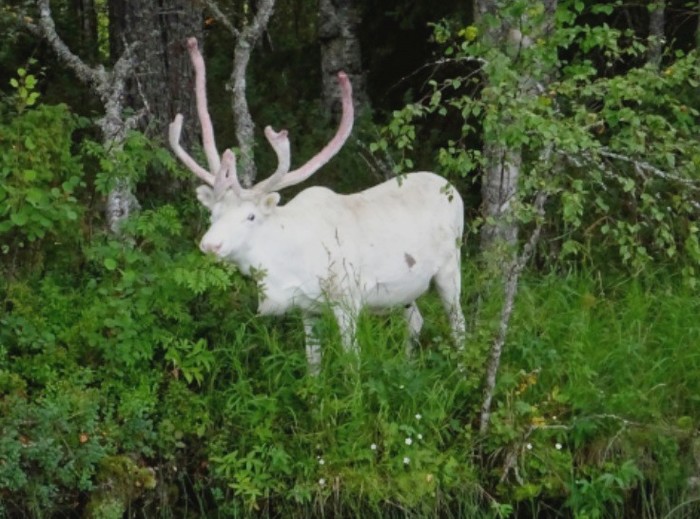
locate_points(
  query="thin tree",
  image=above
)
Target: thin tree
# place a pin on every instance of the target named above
(246, 39)
(502, 171)
(657, 20)
(110, 88)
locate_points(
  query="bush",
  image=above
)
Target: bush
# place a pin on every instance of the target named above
(135, 377)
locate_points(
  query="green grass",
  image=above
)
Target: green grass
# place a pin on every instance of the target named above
(596, 412)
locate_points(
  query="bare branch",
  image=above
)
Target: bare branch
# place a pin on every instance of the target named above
(649, 168)
(221, 17)
(95, 76)
(510, 289)
(237, 85)
(110, 88)
(640, 167)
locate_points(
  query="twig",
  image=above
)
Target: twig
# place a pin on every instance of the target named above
(221, 17)
(510, 289)
(641, 165)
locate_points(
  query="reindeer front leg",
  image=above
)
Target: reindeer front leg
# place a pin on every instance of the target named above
(313, 345)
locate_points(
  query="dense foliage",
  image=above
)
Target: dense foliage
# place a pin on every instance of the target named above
(136, 379)
(610, 138)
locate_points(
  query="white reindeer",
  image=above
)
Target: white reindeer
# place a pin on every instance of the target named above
(376, 249)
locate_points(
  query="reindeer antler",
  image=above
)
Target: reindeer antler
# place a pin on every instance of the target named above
(222, 173)
(328, 152)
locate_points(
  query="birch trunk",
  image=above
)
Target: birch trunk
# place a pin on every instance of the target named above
(501, 163)
(110, 87)
(501, 175)
(501, 179)
(340, 50)
(245, 127)
(657, 20)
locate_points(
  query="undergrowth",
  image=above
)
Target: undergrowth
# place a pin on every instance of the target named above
(136, 379)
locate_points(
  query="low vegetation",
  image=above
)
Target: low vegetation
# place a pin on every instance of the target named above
(136, 378)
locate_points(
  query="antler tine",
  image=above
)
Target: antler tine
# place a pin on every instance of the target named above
(227, 176)
(208, 143)
(200, 89)
(174, 131)
(332, 148)
(280, 143)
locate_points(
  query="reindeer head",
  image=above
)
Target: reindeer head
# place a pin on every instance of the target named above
(236, 211)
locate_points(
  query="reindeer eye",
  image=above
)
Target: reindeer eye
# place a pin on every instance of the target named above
(251, 217)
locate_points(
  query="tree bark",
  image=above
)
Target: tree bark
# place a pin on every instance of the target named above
(340, 50)
(500, 179)
(657, 20)
(697, 30)
(162, 84)
(510, 290)
(245, 127)
(501, 176)
(501, 163)
(87, 19)
(110, 87)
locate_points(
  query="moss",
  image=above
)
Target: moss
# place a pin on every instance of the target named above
(119, 481)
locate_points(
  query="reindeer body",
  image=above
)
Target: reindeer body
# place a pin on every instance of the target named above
(376, 249)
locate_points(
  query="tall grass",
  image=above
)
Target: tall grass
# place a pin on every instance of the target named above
(596, 413)
(163, 365)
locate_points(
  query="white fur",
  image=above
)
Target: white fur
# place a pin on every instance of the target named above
(377, 249)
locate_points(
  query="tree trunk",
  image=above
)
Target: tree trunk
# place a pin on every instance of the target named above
(110, 87)
(162, 84)
(501, 163)
(656, 33)
(87, 20)
(500, 179)
(340, 50)
(501, 176)
(697, 30)
(245, 42)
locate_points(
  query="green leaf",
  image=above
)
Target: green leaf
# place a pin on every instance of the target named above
(19, 218)
(110, 264)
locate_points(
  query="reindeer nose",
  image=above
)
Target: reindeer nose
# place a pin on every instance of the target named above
(209, 247)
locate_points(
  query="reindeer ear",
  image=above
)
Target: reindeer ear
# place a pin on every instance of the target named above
(269, 202)
(205, 195)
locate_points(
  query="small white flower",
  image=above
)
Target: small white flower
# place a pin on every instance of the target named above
(401, 386)
(322, 481)
(321, 461)
(406, 460)
(554, 417)
(420, 436)
(408, 441)
(373, 446)
(557, 446)
(418, 416)
(529, 446)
